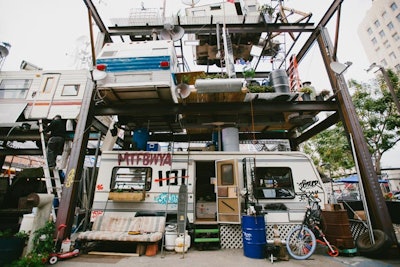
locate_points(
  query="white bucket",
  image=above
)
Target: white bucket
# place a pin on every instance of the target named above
(230, 139)
(182, 244)
(170, 236)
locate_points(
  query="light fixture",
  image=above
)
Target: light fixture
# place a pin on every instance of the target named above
(340, 68)
(25, 65)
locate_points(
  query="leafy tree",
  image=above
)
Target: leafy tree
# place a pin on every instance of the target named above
(379, 119)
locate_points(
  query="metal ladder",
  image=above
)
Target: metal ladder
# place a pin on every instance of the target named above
(55, 189)
(181, 211)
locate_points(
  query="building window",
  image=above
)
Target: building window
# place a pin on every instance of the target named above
(376, 23)
(393, 6)
(386, 44)
(382, 34)
(369, 31)
(398, 17)
(377, 49)
(397, 67)
(384, 15)
(374, 41)
(392, 55)
(14, 88)
(384, 62)
(390, 26)
(396, 36)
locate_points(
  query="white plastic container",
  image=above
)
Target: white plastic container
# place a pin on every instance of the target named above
(66, 246)
(170, 236)
(182, 243)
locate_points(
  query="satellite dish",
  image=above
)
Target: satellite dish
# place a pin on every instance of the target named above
(191, 3)
(98, 74)
(171, 32)
(182, 90)
(4, 49)
(339, 68)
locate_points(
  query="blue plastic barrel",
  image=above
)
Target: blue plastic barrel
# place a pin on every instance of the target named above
(140, 138)
(254, 236)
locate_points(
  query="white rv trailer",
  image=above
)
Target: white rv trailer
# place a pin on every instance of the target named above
(38, 94)
(221, 185)
(142, 70)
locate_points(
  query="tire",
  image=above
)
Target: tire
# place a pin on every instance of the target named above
(333, 253)
(382, 242)
(53, 260)
(301, 243)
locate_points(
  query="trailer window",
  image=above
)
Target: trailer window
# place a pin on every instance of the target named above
(70, 90)
(273, 182)
(130, 179)
(14, 88)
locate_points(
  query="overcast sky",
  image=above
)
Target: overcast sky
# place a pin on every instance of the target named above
(47, 32)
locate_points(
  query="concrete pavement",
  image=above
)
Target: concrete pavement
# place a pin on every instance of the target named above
(222, 258)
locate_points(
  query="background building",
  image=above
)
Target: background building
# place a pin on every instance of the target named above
(379, 33)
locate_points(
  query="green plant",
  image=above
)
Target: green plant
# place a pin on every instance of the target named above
(325, 92)
(266, 9)
(260, 89)
(43, 245)
(9, 233)
(249, 73)
(185, 79)
(306, 90)
(213, 76)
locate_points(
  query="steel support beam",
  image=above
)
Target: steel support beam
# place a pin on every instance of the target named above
(380, 217)
(260, 107)
(74, 171)
(200, 29)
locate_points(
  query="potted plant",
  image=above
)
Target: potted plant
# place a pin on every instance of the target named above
(267, 11)
(306, 90)
(43, 245)
(323, 94)
(249, 73)
(253, 88)
(11, 245)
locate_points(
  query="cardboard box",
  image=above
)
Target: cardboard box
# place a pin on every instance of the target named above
(360, 214)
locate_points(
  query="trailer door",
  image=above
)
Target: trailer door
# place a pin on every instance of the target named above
(43, 98)
(228, 202)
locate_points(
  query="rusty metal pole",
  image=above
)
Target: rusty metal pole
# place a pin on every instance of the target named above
(380, 217)
(66, 211)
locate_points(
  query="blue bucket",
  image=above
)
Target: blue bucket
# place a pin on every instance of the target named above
(254, 236)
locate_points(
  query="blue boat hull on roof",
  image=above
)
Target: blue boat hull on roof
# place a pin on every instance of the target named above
(134, 63)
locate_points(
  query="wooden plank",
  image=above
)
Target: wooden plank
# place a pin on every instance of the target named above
(113, 253)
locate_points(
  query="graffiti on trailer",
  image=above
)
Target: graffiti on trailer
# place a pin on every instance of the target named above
(309, 187)
(172, 177)
(145, 158)
(165, 198)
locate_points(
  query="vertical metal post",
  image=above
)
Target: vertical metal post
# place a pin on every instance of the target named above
(380, 218)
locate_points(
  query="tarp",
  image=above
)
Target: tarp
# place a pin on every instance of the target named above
(353, 179)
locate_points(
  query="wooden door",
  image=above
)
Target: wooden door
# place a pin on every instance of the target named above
(228, 197)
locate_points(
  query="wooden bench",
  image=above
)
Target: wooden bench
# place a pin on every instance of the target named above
(140, 230)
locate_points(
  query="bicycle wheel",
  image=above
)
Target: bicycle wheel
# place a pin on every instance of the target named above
(301, 242)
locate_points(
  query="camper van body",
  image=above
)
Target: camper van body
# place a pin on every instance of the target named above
(221, 185)
(37, 94)
(138, 70)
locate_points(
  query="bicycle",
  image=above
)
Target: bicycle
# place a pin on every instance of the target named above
(302, 240)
